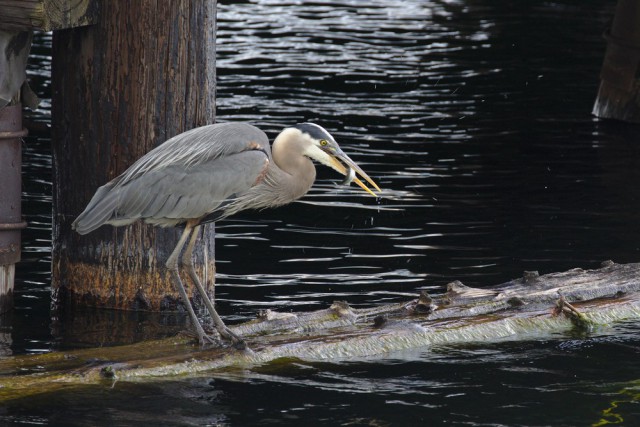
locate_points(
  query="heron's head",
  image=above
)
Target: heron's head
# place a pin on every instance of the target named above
(320, 146)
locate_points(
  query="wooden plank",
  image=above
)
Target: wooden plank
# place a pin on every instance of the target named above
(46, 15)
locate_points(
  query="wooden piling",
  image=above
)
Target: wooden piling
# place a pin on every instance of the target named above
(14, 50)
(144, 73)
(619, 93)
(18, 19)
(11, 223)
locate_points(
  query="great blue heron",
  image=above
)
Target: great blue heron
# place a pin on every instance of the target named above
(209, 173)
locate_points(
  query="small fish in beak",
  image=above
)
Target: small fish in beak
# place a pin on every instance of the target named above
(350, 175)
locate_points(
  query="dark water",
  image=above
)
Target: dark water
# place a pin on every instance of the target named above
(474, 116)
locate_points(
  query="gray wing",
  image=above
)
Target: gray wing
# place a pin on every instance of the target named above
(199, 145)
(187, 177)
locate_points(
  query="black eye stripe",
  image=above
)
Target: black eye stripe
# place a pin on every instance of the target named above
(314, 131)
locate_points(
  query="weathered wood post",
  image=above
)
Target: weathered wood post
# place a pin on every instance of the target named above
(14, 50)
(144, 73)
(619, 93)
(17, 20)
(11, 223)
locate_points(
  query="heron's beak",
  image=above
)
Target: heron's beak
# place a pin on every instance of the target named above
(338, 161)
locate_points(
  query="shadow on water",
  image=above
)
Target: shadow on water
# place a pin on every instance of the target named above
(474, 117)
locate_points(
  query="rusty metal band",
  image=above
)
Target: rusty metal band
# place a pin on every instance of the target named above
(13, 226)
(15, 134)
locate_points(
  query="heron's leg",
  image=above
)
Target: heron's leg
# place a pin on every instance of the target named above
(172, 265)
(187, 262)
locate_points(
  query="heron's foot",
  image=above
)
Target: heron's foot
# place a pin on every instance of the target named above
(207, 340)
(204, 339)
(236, 341)
(240, 345)
(217, 339)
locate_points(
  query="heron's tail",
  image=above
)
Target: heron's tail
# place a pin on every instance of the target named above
(100, 209)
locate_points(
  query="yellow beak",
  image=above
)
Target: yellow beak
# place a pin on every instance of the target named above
(336, 163)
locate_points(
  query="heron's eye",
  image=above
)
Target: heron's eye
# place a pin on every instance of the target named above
(323, 142)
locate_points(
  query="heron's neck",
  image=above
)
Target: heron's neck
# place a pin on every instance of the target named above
(289, 157)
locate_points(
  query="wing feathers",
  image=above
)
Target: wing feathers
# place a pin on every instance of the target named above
(188, 177)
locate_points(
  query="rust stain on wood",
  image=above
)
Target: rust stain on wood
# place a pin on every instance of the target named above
(98, 285)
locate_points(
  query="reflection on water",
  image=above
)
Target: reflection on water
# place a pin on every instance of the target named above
(474, 117)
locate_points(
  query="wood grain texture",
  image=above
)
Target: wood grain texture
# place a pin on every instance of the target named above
(144, 73)
(46, 15)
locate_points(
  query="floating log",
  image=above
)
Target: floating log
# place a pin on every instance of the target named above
(532, 307)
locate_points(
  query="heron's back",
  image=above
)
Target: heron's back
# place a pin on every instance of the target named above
(187, 177)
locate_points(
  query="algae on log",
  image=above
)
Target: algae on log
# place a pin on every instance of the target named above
(532, 307)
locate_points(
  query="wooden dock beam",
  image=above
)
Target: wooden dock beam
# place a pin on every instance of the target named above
(144, 73)
(619, 93)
